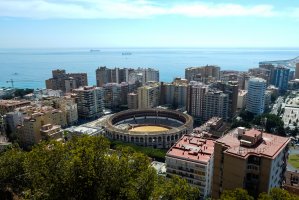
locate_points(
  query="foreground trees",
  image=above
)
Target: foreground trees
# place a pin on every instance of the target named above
(85, 168)
(241, 194)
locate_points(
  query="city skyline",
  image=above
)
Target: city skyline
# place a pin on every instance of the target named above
(148, 23)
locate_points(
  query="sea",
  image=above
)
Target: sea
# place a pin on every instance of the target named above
(29, 68)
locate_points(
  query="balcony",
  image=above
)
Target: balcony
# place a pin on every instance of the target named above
(253, 168)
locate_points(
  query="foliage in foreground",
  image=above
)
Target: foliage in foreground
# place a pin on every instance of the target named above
(85, 168)
(241, 194)
(157, 154)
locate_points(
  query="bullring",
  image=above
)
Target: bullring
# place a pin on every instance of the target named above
(158, 128)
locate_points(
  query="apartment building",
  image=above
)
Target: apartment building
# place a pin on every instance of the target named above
(106, 75)
(10, 105)
(66, 82)
(195, 98)
(249, 159)
(112, 95)
(118, 75)
(242, 98)
(291, 183)
(205, 74)
(148, 96)
(30, 131)
(215, 104)
(90, 101)
(191, 158)
(132, 100)
(174, 94)
(231, 89)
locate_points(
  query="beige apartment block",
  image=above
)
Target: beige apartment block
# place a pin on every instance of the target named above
(249, 159)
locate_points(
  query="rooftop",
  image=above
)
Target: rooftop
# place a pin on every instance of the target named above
(253, 142)
(8, 103)
(255, 79)
(192, 148)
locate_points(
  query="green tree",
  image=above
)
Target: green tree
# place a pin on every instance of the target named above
(174, 188)
(237, 194)
(12, 175)
(86, 168)
(247, 116)
(277, 194)
(273, 123)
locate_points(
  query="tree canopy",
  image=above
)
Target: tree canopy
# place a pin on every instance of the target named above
(241, 194)
(273, 125)
(85, 168)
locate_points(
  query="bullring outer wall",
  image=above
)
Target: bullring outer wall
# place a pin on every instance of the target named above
(161, 139)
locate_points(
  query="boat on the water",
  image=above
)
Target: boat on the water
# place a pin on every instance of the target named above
(126, 53)
(94, 50)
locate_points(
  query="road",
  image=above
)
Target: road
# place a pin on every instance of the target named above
(277, 105)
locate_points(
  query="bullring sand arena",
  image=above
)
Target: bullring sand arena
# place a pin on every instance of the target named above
(157, 128)
(149, 128)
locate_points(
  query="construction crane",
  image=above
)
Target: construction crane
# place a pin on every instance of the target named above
(13, 81)
(10, 81)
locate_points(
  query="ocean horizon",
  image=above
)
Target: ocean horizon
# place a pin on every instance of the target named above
(29, 68)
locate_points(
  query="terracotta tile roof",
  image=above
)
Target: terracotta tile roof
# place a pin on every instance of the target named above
(192, 148)
(269, 146)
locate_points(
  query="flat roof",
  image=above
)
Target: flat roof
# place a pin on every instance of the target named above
(8, 103)
(269, 146)
(192, 148)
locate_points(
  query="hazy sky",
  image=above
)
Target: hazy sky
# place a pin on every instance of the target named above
(148, 23)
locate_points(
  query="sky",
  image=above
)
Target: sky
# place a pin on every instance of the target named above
(148, 23)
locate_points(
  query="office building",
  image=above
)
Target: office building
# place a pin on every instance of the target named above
(90, 101)
(191, 158)
(249, 159)
(215, 105)
(66, 82)
(205, 74)
(280, 78)
(195, 98)
(256, 96)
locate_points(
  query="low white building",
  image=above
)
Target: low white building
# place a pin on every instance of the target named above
(83, 130)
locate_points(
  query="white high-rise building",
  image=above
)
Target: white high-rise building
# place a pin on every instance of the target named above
(256, 95)
(90, 101)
